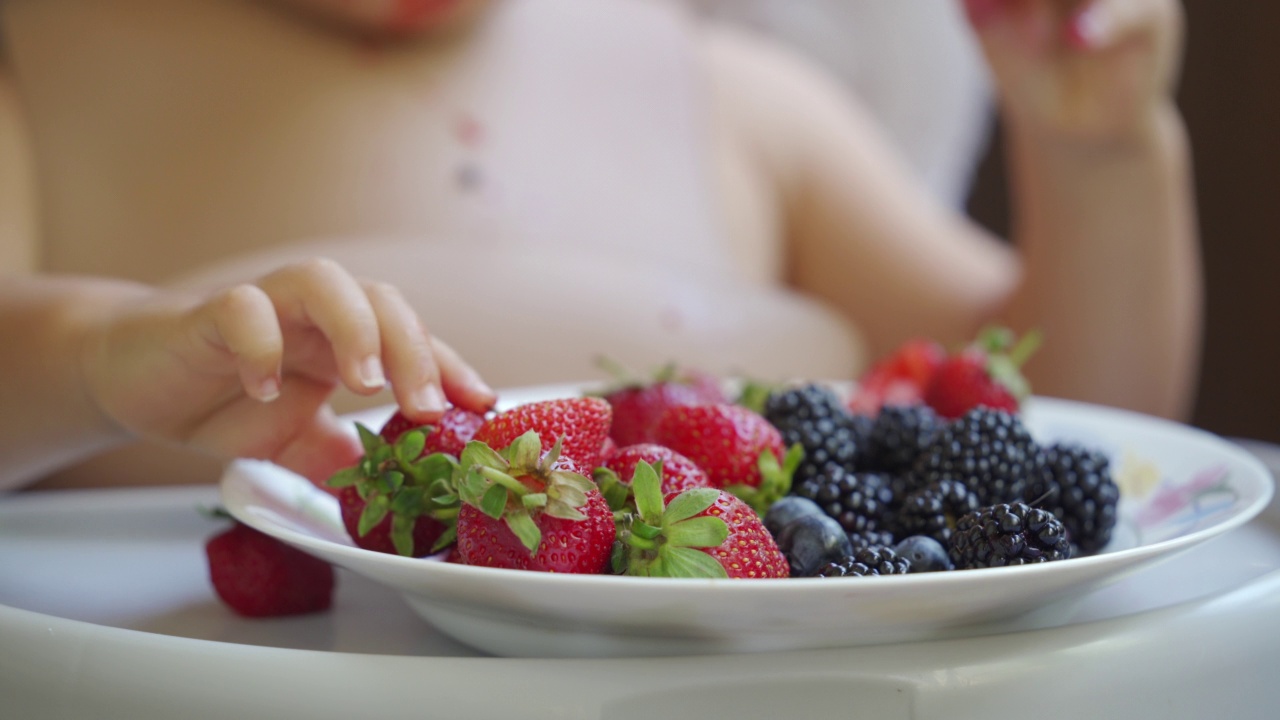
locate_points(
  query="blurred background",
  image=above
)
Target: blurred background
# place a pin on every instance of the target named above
(940, 121)
(1230, 102)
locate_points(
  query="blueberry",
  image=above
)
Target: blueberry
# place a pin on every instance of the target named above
(786, 509)
(810, 542)
(924, 553)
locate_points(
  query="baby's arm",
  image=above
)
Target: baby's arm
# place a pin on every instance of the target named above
(86, 364)
(90, 363)
(1106, 263)
(17, 190)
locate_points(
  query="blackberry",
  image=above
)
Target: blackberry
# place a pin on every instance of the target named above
(866, 561)
(858, 501)
(813, 416)
(898, 435)
(1079, 490)
(989, 450)
(871, 537)
(934, 509)
(1007, 534)
(861, 426)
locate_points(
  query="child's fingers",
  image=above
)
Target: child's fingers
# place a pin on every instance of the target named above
(322, 295)
(406, 350)
(421, 366)
(461, 382)
(245, 324)
(1101, 24)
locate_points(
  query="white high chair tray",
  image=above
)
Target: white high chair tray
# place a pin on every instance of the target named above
(106, 612)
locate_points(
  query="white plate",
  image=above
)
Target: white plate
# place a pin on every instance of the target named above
(1181, 486)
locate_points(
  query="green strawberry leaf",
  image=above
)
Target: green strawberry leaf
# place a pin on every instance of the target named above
(374, 511)
(410, 446)
(697, 532)
(1026, 347)
(525, 529)
(345, 477)
(409, 501)
(616, 493)
(775, 479)
(494, 501)
(478, 454)
(568, 494)
(648, 493)
(618, 558)
(689, 503)
(447, 538)
(754, 395)
(471, 487)
(391, 480)
(525, 451)
(369, 439)
(683, 562)
(402, 534)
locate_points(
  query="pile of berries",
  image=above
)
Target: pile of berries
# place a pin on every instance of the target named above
(922, 469)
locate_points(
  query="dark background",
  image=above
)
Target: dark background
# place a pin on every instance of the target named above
(1230, 98)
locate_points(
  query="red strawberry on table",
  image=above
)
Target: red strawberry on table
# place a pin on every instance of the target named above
(257, 576)
(580, 425)
(638, 404)
(736, 447)
(987, 373)
(899, 378)
(398, 498)
(678, 472)
(697, 533)
(528, 510)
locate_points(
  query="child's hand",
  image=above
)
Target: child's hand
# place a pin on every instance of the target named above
(1085, 70)
(247, 372)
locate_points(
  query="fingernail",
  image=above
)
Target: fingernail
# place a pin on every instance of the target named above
(429, 399)
(481, 387)
(268, 390)
(1089, 28)
(371, 373)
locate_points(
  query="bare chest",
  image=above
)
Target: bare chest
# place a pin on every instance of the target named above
(174, 135)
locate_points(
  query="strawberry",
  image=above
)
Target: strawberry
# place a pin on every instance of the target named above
(397, 425)
(424, 532)
(638, 404)
(607, 450)
(985, 373)
(528, 510)
(580, 425)
(678, 472)
(256, 575)
(697, 533)
(899, 378)
(736, 447)
(449, 434)
(397, 498)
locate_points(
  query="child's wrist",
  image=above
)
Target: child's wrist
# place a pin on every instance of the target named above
(1157, 127)
(88, 327)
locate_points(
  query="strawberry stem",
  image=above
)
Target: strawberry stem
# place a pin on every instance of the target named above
(504, 480)
(1026, 347)
(646, 531)
(641, 543)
